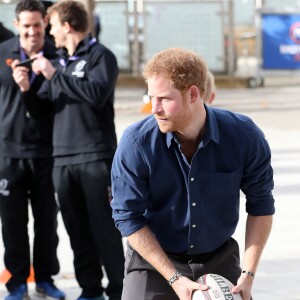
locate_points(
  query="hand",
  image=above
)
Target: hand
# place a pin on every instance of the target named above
(20, 75)
(184, 287)
(244, 286)
(42, 65)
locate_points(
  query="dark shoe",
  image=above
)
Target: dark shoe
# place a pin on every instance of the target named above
(19, 293)
(48, 289)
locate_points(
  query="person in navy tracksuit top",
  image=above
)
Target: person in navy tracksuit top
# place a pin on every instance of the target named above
(81, 85)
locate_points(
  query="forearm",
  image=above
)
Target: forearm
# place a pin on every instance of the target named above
(257, 233)
(145, 243)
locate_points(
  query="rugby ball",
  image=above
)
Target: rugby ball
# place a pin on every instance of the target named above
(219, 288)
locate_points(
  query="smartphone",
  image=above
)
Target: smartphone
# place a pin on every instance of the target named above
(26, 63)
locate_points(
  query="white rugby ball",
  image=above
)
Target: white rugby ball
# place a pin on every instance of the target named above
(219, 288)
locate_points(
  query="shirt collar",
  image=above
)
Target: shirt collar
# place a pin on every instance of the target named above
(211, 131)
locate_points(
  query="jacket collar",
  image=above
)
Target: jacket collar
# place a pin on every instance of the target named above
(82, 48)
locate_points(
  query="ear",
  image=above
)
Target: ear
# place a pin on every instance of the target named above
(16, 24)
(67, 27)
(194, 93)
(46, 21)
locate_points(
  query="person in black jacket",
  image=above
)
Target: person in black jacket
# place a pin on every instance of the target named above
(81, 86)
(5, 33)
(25, 161)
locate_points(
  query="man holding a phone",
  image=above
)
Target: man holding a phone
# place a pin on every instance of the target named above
(25, 160)
(26, 63)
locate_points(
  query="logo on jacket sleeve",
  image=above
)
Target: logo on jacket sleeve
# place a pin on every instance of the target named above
(3, 187)
(78, 69)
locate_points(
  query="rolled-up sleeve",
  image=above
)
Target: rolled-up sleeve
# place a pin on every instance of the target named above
(257, 181)
(129, 186)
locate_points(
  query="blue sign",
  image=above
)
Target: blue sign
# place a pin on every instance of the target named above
(281, 41)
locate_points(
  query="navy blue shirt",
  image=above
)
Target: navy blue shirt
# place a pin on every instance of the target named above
(192, 208)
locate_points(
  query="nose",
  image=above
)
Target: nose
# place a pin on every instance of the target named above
(156, 106)
(31, 30)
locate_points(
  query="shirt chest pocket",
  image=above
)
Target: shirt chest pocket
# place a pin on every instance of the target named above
(223, 184)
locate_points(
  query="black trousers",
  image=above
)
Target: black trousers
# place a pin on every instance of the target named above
(84, 196)
(23, 181)
(142, 281)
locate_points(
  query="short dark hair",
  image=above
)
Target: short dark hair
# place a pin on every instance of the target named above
(30, 5)
(72, 12)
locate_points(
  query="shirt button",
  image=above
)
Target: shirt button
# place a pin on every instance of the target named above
(194, 226)
(28, 115)
(191, 246)
(194, 204)
(192, 179)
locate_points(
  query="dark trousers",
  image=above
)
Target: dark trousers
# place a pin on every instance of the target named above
(84, 196)
(142, 281)
(23, 181)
